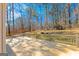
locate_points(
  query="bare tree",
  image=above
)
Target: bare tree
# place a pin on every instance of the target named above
(13, 18)
(8, 23)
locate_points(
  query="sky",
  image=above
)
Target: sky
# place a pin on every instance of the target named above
(20, 9)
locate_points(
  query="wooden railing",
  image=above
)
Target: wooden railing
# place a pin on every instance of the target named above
(72, 39)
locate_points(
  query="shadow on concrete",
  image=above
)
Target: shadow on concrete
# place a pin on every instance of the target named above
(10, 51)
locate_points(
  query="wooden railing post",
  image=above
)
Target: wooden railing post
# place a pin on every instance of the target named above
(77, 40)
(2, 29)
